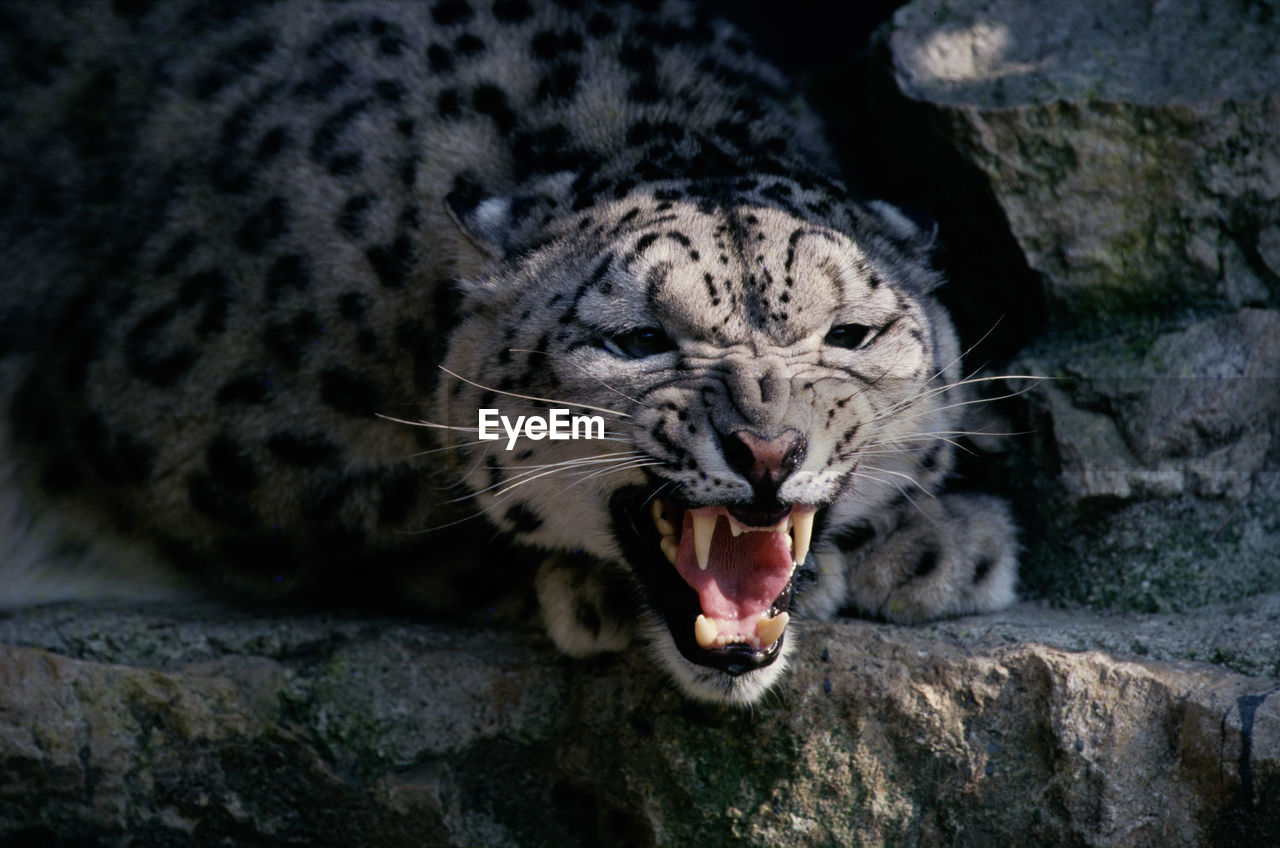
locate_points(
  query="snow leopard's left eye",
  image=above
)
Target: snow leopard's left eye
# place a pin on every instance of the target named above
(638, 343)
(850, 336)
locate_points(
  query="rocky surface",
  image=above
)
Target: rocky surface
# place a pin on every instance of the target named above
(1165, 444)
(1124, 161)
(1132, 146)
(207, 727)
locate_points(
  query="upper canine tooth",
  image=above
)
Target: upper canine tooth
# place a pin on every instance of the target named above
(665, 527)
(769, 630)
(802, 528)
(704, 527)
(705, 631)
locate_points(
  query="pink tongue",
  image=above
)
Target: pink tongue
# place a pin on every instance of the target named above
(744, 575)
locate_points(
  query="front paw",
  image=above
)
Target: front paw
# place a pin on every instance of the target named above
(583, 611)
(952, 555)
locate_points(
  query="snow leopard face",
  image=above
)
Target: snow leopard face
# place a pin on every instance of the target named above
(764, 381)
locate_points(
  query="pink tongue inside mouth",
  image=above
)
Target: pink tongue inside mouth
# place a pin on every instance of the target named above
(744, 575)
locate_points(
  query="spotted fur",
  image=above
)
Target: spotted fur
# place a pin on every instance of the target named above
(244, 240)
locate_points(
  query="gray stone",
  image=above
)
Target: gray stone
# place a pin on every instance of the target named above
(1202, 388)
(202, 726)
(1167, 492)
(1198, 412)
(1133, 147)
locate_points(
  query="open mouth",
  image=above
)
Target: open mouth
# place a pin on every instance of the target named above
(726, 585)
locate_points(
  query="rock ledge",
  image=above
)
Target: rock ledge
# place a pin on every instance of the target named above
(201, 727)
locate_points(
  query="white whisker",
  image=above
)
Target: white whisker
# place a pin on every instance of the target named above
(527, 473)
(622, 466)
(532, 397)
(577, 365)
(429, 451)
(913, 481)
(895, 409)
(430, 424)
(423, 530)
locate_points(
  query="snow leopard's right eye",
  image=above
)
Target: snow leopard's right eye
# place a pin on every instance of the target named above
(639, 343)
(850, 336)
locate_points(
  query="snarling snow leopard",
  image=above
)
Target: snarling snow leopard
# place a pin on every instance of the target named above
(294, 291)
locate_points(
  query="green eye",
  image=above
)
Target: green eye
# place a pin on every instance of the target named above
(638, 343)
(850, 336)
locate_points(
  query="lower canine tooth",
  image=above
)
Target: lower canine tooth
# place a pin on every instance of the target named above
(669, 547)
(665, 527)
(769, 630)
(704, 527)
(705, 631)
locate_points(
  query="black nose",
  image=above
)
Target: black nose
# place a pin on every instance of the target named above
(765, 463)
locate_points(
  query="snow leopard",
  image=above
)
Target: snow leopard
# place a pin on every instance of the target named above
(303, 298)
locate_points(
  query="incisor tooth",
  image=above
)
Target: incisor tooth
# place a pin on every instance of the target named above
(705, 631)
(669, 547)
(802, 529)
(769, 630)
(704, 527)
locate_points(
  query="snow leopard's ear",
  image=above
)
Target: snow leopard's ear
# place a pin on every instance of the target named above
(912, 231)
(502, 225)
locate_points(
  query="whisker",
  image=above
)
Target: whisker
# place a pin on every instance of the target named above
(430, 424)
(896, 409)
(458, 446)
(513, 486)
(532, 472)
(575, 461)
(893, 483)
(531, 397)
(913, 481)
(588, 373)
(654, 494)
(424, 530)
(622, 466)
